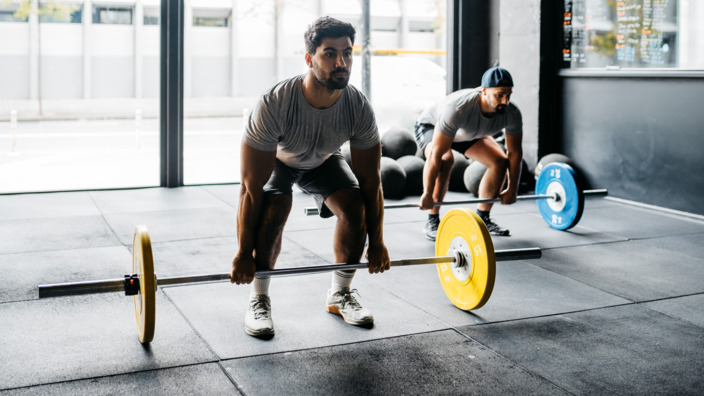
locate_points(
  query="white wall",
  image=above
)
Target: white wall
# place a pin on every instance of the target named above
(520, 54)
(14, 61)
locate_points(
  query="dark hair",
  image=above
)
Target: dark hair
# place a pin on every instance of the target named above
(326, 27)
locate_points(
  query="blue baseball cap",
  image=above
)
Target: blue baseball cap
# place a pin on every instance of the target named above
(497, 77)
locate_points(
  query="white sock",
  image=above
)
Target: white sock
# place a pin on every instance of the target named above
(342, 279)
(260, 286)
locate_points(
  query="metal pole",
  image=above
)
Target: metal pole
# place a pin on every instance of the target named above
(13, 130)
(137, 128)
(79, 288)
(311, 211)
(171, 93)
(116, 285)
(366, 51)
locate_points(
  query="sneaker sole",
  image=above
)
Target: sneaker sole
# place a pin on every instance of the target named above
(259, 333)
(334, 309)
(500, 233)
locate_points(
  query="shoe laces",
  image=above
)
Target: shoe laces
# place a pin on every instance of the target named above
(490, 225)
(348, 300)
(433, 222)
(261, 307)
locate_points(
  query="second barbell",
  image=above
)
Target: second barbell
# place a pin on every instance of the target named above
(560, 198)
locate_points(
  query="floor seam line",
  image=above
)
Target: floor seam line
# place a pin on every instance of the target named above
(190, 324)
(109, 375)
(466, 336)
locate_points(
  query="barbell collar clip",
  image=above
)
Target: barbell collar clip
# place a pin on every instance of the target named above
(132, 284)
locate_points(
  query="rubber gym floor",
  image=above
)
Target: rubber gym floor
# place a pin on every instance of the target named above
(612, 307)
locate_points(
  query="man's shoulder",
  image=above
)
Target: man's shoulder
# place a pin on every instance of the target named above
(513, 109)
(282, 89)
(464, 94)
(462, 99)
(354, 94)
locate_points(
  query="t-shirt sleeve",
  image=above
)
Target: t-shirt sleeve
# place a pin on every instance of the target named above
(366, 132)
(263, 131)
(448, 119)
(515, 121)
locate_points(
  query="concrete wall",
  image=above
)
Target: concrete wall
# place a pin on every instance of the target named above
(520, 54)
(643, 140)
(14, 64)
(14, 75)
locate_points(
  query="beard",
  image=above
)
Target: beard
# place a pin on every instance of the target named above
(500, 109)
(338, 79)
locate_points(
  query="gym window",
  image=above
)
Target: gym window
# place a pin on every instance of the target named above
(151, 16)
(211, 18)
(112, 15)
(9, 15)
(56, 12)
(633, 34)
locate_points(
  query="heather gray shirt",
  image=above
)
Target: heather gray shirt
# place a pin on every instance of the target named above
(303, 136)
(459, 116)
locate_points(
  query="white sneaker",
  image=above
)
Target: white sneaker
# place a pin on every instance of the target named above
(257, 321)
(343, 303)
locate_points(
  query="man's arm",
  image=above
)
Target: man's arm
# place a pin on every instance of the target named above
(257, 167)
(366, 167)
(514, 151)
(438, 147)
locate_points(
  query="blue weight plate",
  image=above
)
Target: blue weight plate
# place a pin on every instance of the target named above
(560, 178)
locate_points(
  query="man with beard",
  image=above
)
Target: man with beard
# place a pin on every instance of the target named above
(467, 121)
(294, 135)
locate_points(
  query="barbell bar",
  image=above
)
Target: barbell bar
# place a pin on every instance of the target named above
(464, 256)
(560, 198)
(312, 211)
(120, 285)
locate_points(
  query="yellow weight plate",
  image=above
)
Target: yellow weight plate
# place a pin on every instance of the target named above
(468, 286)
(145, 300)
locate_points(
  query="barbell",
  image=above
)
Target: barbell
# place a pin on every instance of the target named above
(464, 255)
(560, 199)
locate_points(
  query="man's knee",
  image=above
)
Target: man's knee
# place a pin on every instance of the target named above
(348, 206)
(499, 164)
(447, 161)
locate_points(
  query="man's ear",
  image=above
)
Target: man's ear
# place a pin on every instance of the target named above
(309, 60)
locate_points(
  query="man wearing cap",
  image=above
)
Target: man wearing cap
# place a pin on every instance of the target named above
(466, 121)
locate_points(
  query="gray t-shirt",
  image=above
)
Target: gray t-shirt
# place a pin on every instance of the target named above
(303, 136)
(459, 116)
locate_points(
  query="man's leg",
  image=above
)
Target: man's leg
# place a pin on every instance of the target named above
(442, 183)
(275, 211)
(351, 228)
(491, 155)
(337, 193)
(349, 239)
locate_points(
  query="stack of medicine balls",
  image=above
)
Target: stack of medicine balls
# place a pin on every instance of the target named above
(402, 167)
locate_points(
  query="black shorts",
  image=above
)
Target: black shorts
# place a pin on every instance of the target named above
(424, 135)
(332, 175)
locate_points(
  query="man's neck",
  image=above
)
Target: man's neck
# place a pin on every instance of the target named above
(318, 95)
(487, 111)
